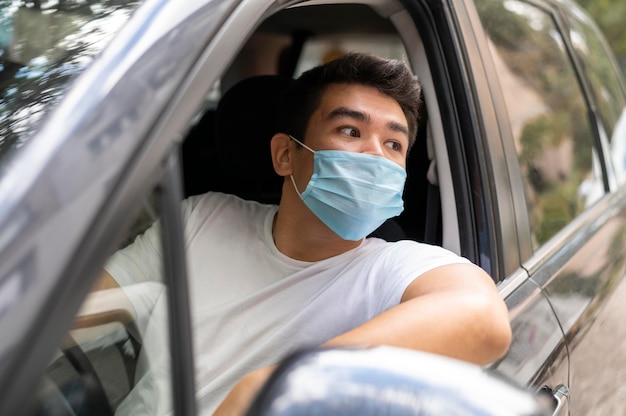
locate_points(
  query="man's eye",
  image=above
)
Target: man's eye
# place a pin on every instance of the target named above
(350, 131)
(393, 145)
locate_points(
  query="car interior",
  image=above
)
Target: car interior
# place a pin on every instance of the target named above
(227, 150)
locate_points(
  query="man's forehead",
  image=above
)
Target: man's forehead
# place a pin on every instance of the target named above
(346, 101)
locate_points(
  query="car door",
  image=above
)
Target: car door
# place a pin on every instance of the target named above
(72, 186)
(586, 291)
(573, 218)
(489, 188)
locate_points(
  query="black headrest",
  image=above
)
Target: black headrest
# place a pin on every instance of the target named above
(246, 120)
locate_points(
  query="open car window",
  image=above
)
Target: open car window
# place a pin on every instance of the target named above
(220, 157)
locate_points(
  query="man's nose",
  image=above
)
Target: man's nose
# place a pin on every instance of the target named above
(373, 146)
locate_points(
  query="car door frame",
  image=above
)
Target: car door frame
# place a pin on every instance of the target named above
(489, 183)
(544, 264)
(108, 127)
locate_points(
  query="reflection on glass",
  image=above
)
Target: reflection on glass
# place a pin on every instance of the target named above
(43, 46)
(607, 90)
(548, 115)
(599, 69)
(115, 359)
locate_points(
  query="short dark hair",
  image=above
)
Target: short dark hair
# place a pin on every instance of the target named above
(389, 76)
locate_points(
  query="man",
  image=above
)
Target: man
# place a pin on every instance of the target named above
(268, 280)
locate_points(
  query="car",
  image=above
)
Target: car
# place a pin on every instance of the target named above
(113, 111)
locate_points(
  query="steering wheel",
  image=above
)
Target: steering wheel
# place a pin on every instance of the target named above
(86, 394)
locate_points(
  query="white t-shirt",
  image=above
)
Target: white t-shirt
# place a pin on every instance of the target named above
(252, 305)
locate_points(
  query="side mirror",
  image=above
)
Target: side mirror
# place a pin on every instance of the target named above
(388, 381)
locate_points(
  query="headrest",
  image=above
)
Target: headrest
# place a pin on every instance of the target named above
(246, 120)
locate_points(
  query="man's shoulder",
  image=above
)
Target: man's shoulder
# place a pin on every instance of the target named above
(217, 207)
(409, 250)
(380, 244)
(211, 200)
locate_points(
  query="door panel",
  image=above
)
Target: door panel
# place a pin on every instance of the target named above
(587, 294)
(537, 355)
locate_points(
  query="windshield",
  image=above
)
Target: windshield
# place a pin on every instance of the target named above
(43, 46)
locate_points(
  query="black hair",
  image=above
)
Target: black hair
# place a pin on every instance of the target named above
(389, 76)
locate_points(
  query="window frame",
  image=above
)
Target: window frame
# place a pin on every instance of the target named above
(176, 279)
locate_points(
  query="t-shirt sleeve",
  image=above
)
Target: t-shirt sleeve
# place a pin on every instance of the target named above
(405, 261)
(141, 261)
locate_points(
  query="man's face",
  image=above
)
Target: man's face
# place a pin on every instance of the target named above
(358, 118)
(354, 118)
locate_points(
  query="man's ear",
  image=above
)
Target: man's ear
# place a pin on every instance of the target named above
(281, 157)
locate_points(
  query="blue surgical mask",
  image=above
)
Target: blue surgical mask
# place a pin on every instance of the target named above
(353, 193)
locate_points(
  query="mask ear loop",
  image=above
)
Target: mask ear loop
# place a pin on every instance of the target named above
(301, 144)
(293, 181)
(294, 185)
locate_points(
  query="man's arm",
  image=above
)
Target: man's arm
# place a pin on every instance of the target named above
(452, 310)
(105, 281)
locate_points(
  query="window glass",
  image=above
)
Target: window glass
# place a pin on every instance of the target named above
(115, 358)
(606, 87)
(547, 112)
(599, 68)
(43, 46)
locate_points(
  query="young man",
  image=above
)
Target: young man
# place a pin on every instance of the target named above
(346, 131)
(267, 280)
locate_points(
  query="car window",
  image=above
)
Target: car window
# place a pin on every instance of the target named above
(227, 148)
(44, 45)
(109, 361)
(547, 112)
(607, 90)
(286, 44)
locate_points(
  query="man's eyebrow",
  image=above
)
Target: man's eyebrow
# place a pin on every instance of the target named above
(397, 127)
(363, 117)
(340, 112)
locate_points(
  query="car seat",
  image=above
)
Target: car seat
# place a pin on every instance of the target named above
(229, 149)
